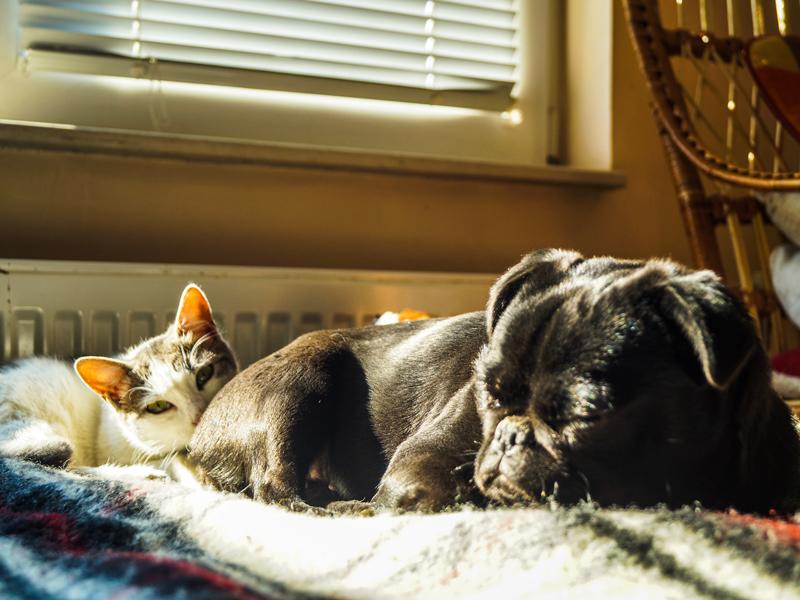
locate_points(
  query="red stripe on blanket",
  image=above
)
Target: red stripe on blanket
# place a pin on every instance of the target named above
(122, 501)
(178, 568)
(784, 531)
(49, 528)
(57, 531)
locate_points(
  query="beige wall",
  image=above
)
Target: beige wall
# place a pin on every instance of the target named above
(61, 206)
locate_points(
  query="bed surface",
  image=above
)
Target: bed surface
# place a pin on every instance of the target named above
(69, 536)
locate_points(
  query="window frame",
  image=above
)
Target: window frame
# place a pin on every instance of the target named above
(300, 119)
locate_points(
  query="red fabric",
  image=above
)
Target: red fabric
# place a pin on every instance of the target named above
(783, 531)
(787, 363)
(782, 88)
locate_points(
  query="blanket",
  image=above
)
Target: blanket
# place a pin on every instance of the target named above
(64, 535)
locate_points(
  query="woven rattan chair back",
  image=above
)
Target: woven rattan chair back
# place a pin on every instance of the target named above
(723, 143)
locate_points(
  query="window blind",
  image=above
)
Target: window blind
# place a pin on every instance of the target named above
(454, 52)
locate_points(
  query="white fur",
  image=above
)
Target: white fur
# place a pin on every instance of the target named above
(785, 265)
(23, 434)
(47, 395)
(157, 435)
(784, 211)
(43, 399)
(787, 386)
(48, 412)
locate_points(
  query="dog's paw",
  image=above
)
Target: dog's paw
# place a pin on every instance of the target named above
(418, 498)
(301, 506)
(412, 497)
(353, 508)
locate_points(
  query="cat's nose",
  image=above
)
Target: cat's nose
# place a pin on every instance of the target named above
(196, 420)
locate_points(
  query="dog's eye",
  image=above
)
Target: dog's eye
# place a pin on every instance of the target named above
(558, 422)
(492, 402)
(499, 403)
(585, 418)
(502, 396)
(504, 392)
(558, 414)
(588, 418)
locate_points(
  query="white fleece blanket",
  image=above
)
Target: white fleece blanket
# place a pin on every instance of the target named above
(65, 536)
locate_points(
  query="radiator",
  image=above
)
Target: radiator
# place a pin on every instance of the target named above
(70, 309)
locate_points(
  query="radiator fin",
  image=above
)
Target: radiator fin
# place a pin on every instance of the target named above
(67, 334)
(27, 337)
(104, 339)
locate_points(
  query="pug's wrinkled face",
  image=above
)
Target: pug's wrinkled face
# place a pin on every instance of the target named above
(603, 380)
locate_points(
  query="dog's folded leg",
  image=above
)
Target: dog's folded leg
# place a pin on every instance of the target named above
(426, 471)
(280, 486)
(279, 472)
(275, 484)
(268, 455)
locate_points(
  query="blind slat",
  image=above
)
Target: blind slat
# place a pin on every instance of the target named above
(270, 35)
(379, 25)
(383, 72)
(495, 99)
(287, 41)
(367, 9)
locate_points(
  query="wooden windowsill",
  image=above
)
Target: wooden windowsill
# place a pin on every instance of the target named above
(135, 144)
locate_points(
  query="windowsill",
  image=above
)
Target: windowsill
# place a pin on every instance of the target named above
(134, 144)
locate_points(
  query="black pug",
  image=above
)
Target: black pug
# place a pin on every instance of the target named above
(627, 382)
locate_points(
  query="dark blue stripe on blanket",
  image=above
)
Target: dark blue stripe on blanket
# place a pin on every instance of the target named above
(746, 541)
(96, 539)
(640, 548)
(17, 586)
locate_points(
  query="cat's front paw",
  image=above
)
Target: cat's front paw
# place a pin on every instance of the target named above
(131, 473)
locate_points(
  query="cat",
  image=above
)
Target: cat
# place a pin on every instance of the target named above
(138, 409)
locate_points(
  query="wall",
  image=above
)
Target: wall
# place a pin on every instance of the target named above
(62, 206)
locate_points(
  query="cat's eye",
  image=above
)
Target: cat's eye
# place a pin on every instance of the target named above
(158, 407)
(203, 375)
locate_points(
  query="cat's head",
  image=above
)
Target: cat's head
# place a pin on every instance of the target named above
(162, 386)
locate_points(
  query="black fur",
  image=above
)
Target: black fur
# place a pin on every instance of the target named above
(630, 382)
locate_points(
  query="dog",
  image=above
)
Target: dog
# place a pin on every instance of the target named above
(621, 381)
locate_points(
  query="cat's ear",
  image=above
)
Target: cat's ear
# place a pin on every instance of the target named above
(194, 313)
(109, 378)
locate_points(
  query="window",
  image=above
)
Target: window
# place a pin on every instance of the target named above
(454, 78)
(456, 52)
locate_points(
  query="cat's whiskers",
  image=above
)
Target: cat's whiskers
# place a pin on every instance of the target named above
(185, 357)
(167, 459)
(140, 456)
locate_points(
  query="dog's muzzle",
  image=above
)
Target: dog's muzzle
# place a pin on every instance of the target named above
(513, 467)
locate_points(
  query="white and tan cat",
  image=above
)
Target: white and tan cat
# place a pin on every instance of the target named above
(139, 408)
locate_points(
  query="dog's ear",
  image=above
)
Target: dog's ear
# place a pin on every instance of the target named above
(733, 361)
(536, 271)
(769, 456)
(715, 323)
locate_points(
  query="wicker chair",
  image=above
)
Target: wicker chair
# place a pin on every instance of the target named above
(722, 142)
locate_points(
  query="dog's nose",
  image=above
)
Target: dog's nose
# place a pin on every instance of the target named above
(513, 431)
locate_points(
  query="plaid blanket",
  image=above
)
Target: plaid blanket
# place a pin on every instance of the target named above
(69, 536)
